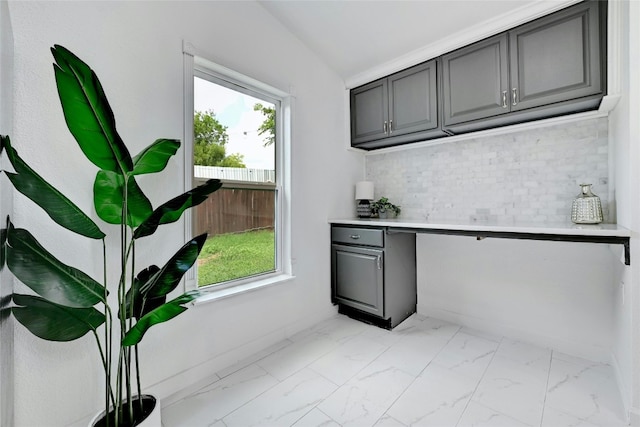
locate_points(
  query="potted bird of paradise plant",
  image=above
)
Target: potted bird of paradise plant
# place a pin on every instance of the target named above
(68, 304)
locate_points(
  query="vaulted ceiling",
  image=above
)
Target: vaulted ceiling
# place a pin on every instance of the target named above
(355, 36)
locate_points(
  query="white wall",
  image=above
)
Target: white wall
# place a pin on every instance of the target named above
(625, 134)
(6, 283)
(553, 294)
(136, 50)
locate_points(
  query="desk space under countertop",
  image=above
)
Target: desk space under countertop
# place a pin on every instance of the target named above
(565, 232)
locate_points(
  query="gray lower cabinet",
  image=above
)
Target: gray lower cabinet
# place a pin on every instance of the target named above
(550, 66)
(398, 109)
(358, 278)
(373, 274)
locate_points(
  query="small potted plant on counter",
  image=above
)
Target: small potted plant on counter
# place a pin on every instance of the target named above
(384, 208)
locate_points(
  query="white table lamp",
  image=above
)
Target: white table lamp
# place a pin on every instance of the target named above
(364, 194)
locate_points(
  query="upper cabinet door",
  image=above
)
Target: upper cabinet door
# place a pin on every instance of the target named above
(556, 58)
(413, 105)
(369, 112)
(475, 81)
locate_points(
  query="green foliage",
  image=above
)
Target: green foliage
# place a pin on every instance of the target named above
(384, 205)
(34, 266)
(209, 141)
(268, 126)
(64, 308)
(155, 157)
(233, 161)
(88, 114)
(109, 199)
(167, 278)
(231, 256)
(55, 322)
(158, 315)
(62, 210)
(172, 210)
(208, 130)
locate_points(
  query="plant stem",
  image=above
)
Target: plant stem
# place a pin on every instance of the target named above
(104, 363)
(122, 284)
(107, 333)
(133, 295)
(123, 365)
(118, 408)
(135, 349)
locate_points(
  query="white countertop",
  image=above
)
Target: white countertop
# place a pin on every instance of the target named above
(607, 230)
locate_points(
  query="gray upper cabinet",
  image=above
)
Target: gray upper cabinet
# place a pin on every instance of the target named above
(556, 58)
(369, 112)
(475, 79)
(397, 109)
(552, 66)
(412, 100)
(548, 67)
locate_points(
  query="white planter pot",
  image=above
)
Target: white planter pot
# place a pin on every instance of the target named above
(153, 419)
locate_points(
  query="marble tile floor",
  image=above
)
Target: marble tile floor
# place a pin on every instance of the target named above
(425, 372)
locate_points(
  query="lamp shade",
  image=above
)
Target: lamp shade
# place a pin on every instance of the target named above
(364, 190)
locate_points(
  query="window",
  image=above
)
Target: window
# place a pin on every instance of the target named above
(237, 136)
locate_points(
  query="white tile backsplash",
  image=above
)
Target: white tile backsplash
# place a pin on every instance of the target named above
(526, 175)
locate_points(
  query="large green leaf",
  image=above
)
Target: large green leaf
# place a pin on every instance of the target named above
(108, 199)
(34, 266)
(54, 322)
(136, 303)
(62, 210)
(174, 208)
(161, 314)
(154, 158)
(88, 114)
(3, 247)
(167, 278)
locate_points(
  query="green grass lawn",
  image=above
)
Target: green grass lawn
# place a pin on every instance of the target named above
(230, 256)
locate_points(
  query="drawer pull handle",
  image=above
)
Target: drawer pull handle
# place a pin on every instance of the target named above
(355, 236)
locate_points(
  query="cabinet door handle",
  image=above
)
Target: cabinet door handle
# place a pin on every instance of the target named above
(504, 99)
(384, 127)
(355, 236)
(514, 96)
(390, 127)
(379, 262)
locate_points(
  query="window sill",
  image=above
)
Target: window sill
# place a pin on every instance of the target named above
(210, 295)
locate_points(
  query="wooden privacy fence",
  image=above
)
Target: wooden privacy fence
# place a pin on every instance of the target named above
(233, 210)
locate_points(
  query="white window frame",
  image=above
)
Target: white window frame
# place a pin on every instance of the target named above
(197, 65)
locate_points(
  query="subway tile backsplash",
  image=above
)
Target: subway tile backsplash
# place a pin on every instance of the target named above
(528, 175)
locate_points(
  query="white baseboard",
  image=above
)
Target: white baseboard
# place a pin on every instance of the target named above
(589, 352)
(177, 387)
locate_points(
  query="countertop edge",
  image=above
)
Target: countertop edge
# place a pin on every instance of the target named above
(569, 229)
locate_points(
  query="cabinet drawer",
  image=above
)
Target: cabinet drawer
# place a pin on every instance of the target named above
(358, 236)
